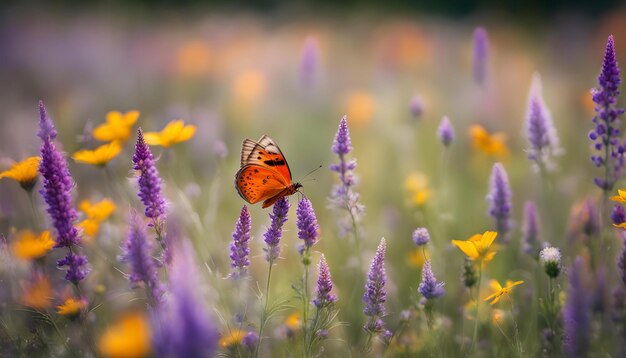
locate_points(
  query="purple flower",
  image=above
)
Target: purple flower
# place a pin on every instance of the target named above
(240, 247)
(309, 62)
(149, 181)
(530, 229)
(590, 217)
(445, 131)
(481, 55)
(375, 294)
(606, 134)
(576, 313)
(342, 144)
(499, 198)
(307, 225)
(416, 106)
(429, 287)
(182, 327)
(57, 193)
(136, 251)
(421, 236)
(324, 286)
(250, 340)
(621, 261)
(275, 231)
(618, 215)
(544, 142)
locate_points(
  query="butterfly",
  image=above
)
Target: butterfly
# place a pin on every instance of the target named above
(264, 174)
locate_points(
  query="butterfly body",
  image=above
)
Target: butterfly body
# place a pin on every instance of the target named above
(264, 175)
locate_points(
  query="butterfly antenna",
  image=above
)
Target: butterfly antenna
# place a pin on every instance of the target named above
(309, 173)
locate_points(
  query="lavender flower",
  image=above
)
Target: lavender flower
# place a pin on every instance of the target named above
(499, 198)
(275, 231)
(375, 294)
(182, 327)
(324, 286)
(56, 192)
(149, 180)
(530, 229)
(576, 313)
(445, 131)
(307, 225)
(421, 236)
(481, 55)
(606, 134)
(621, 261)
(342, 144)
(250, 340)
(309, 62)
(544, 142)
(429, 287)
(416, 106)
(137, 253)
(618, 215)
(240, 247)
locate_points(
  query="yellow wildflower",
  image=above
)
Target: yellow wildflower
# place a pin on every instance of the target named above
(71, 307)
(38, 294)
(99, 156)
(174, 132)
(95, 213)
(621, 197)
(129, 337)
(293, 321)
(90, 228)
(478, 247)
(24, 172)
(499, 291)
(360, 107)
(29, 246)
(416, 184)
(117, 126)
(416, 257)
(232, 338)
(490, 144)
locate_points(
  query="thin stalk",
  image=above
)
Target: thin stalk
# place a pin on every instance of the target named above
(480, 276)
(33, 210)
(264, 314)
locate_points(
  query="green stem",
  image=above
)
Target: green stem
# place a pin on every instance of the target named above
(264, 314)
(31, 200)
(475, 336)
(305, 302)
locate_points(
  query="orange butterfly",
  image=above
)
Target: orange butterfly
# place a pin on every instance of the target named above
(264, 174)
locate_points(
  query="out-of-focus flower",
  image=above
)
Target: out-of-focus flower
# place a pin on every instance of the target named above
(478, 247)
(193, 58)
(430, 288)
(499, 199)
(418, 257)
(250, 340)
(249, 87)
(540, 131)
(497, 316)
(99, 156)
(585, 218)
(445, 131)
(128, 337)
(621, 261)
(30, 246)
(38, 294)
(309, 62)
(421, 236)
(416, 184)
(606, 133)
(469, 275)
(149, 180)
(95, 213)
(24, 172)
(232, 338)
(481, 55)
(240, 246)
(618, 216)
(489, 144)
(375, 293)
(577, 312)
(531, 229)
(306, 221)
(275, 231)
(621, 197)
(416, 105)
(117, 127)
(324, 286)
(499, 291)
(360, 107)
(293, 321)
(71, 307)
(174, 132)
(550, 258)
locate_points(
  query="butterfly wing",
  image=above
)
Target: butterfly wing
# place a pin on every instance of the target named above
(257, 183)
(265, 153)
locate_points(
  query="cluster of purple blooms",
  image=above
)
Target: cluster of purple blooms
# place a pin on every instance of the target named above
(149, 181)
(275, 231)
(240, 246)
(306, 221)
(499, 199)
(541, 134)
(375, 293)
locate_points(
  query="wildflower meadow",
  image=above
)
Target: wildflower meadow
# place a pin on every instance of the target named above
(254, 185)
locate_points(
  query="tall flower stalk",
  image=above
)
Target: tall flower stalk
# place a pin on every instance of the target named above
(57, 193)
(499, 199)
(481, 56)
(375, 296)
(577, 312)
(240, 246)
(325, 311)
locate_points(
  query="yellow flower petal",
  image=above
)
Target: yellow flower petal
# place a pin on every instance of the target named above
(495, 285)
(129, 337)
(38, 294)
(488, 237)
(71, 307)
(117, 126)
(174, 132)
(467, 247)
(99, 156)
(29, 246)
(24, 172)
(232, 338)
(98, 211)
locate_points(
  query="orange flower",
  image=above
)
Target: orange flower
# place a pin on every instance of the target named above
(38, 294)
(128, 337)
(360, 107)
(490, 144)
(249, 87)
(71, 307)
(24, 172)
(232, 338)
(29, 246)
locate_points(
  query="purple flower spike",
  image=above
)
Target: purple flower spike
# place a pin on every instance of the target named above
(606, 134)
(309, 62)
(375, 294)
(445, 132)
(429, 287)
(531, 229)
(576, 313)
(149, 180)
(136, 251)
(342, 144)
(421, 236)
(307, 225)
(240, 247)
(499, 198)
(275, 231)
(621, 262)
(481, 55)
(416, 106)
(618, 215)
(46, 127)
(324, 286)
(77, 267)
(544, 142)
